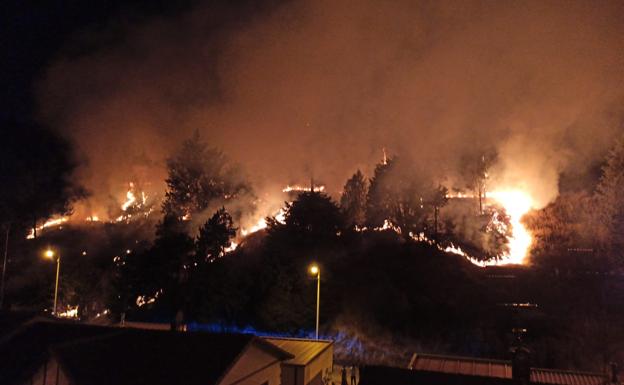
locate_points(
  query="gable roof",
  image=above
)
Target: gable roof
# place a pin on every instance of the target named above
(26, 349)
(461, 365)
(490, 368)
(384, 375)
(302, 350)
(112, 355)
(132, 356)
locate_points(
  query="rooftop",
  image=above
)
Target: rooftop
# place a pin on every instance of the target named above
(112, 355)
(303, 350)
(499, 369)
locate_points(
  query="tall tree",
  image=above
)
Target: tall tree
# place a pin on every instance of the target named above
(200, 176)
(378, 198)
(437, 199)
(609, 217)
(562, 230)
(397, 194)
(37, 168)
(353, 200)
(476, 173)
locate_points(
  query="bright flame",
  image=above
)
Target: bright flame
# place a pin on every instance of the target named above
(49, 223)
(299, 188)
(516, 204)
(280, 216)
(130, 198)
(71, 312)
(261, 224)
(232, 247)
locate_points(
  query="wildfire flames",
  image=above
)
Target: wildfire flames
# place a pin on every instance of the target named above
(280, 215)
(49, 223)
(516, 204)
(135, 204)
(298, 188)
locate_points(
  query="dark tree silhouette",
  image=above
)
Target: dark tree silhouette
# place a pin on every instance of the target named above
(398, 195)
(36, 166)
(200, 176)
(378, 199)
(609, 205)
(476, 173)
(214, 236)
(438, 199)
(353, 200)
(312, 215)
(561, 230)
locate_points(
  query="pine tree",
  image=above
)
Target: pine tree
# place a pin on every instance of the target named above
(353, 200)
(399, 196)
(200, 176)
(215, 236)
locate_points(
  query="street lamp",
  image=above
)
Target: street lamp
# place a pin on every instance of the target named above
(315, 270)
(49, 253)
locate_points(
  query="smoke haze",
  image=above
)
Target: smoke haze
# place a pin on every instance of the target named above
(316, 88)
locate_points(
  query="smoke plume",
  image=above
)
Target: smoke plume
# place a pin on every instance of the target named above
(304, 89)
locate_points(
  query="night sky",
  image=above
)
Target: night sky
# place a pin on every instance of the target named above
(304, 89)
(34, 32)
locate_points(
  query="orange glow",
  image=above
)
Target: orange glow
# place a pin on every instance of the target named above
(516, 204)
(130, 198)
(49, 223)
(298, 188)
(71, 312)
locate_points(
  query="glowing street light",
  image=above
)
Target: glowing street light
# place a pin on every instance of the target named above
(49, 253)
(315, 270)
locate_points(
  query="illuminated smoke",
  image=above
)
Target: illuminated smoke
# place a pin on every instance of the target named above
(319, 95)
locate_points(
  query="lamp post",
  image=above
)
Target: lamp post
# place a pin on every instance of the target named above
(315, 270)
(49, 253)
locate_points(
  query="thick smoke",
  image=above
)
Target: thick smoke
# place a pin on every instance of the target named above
(316, 89)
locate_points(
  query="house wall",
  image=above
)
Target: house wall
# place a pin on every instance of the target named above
(315, 369)
(48, 374)
(254, 367)
(310, 374)
(293, 375)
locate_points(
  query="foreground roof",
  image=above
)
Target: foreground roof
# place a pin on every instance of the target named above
(131, 356)
(461, 365)
(490, 368)
(303, 350)
(111, 355)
